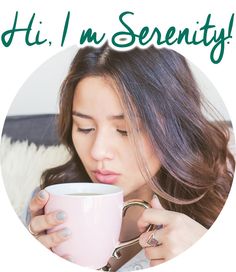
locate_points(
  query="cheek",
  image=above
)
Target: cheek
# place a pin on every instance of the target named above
(131, 163)
(153, 163)
(79, 147)
(151, 159)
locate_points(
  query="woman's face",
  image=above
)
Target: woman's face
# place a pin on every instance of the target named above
(101, 137)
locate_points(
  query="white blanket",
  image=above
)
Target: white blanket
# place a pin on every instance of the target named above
(22, 166)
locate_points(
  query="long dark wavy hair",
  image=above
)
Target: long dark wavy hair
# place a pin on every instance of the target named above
(157, 86)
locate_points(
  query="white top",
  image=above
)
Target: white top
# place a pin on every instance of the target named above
(138, 262)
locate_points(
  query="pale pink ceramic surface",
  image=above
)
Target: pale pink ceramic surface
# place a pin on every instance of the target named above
(95, 221)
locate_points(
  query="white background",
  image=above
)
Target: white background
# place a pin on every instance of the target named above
(18, 250)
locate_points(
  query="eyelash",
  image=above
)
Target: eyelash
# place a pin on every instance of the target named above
(84, 130)
(88, 130)
(122, 132)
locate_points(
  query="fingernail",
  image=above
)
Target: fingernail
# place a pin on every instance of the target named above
(65, 232)
(42, 194)
(60, 216)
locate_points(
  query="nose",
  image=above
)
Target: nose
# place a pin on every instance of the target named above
(102, 147)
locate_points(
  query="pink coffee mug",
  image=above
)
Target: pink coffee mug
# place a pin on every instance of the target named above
(94, 216)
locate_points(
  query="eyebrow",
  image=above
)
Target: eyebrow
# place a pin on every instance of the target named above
(110, 117)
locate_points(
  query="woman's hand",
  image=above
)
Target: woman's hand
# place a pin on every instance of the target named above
(175, 233)
(40, 222)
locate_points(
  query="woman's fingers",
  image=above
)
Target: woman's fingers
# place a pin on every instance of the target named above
(38, 202)
(152, 238)
(155, 203)
(178, 232)
(153, 245)
(55, 238)
(41, 223)
(154, 217)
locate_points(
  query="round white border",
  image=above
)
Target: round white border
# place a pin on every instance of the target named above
(18, 249)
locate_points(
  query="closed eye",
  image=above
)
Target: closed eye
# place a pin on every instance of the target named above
(122, 132)
(85, 130)
(88, 130)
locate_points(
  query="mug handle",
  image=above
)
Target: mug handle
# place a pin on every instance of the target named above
(127, 205)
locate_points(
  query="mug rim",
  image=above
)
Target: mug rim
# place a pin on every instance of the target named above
(67, 189)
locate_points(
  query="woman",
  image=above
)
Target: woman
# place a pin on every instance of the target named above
(134, 119)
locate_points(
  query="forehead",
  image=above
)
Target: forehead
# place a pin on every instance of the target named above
(96, 93)
(99, 98)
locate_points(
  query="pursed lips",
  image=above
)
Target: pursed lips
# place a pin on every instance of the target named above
(106, 176)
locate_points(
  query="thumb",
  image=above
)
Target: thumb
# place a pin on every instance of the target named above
(156, 203)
